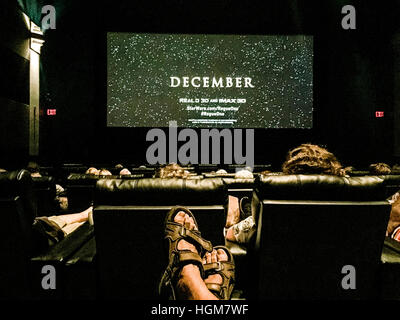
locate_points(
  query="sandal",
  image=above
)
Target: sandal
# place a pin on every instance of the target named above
(226, 269)
(174, 232)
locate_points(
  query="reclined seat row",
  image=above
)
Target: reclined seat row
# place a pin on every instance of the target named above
(23, 255)
(81, 187)
(309, 227)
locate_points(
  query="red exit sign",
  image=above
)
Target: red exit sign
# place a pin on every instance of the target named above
(51, 112)
(379, 114)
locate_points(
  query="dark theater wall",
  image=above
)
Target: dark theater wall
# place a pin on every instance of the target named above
(353, 75)
(14, 88)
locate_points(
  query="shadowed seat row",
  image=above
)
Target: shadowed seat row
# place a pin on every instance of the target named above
(309, 228)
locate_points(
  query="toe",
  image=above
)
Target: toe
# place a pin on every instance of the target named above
(208, 257)
(179, 217)
(187, 222)
(214, 256)
(221, 255)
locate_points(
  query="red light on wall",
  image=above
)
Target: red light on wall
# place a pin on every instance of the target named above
(51, 112)
(379, 114)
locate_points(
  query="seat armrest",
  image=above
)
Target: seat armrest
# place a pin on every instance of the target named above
(85, 254)
(392, 244)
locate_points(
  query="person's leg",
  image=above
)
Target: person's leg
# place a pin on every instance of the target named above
(190, 285)
(233, 215)
(242, 232)
(67, 219)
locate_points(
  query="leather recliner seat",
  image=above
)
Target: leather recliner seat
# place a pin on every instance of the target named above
(310, 227)
(129, 220)
(80, 188)
(23, 253)
(18, 210)
(45, 193)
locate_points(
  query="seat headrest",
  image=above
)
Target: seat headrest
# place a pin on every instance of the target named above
(321, 187)
(239, 183)
(19, 183)
(14, 182)
(156, 191)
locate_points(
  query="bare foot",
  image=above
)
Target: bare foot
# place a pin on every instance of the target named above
(189, 271)
(185, 220)
(190, 284)
(215, 256)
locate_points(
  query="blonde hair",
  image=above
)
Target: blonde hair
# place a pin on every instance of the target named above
(92, 170)
(104, 172)
(172, 170)
(379, 168)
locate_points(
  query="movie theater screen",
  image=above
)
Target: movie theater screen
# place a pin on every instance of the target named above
(206, 81)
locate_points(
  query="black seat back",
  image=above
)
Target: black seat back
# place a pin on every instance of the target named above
(129, 221)
(240, 187)
(81, 186)
(44, 189)
(80, 190)
(310, 227)
(17, 209)
(19, 183)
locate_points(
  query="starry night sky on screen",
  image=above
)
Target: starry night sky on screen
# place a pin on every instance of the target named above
(222, 81)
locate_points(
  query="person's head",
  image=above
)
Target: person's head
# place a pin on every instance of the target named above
(311, 159)
(244, 174)
(125, 172)
(172, 170)
(119, 167)
(34, 169)
(379, 168)
(104, 172)
(92, 170)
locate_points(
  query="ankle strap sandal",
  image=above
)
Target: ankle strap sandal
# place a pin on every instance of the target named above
(174, 232)
(226, 269)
